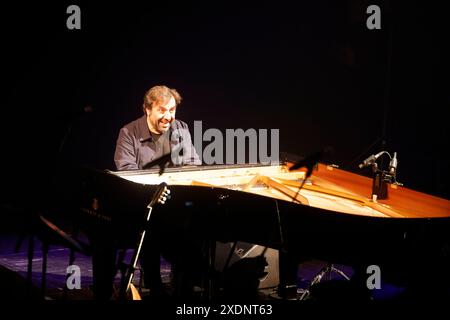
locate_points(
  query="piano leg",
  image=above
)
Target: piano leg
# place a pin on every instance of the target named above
(103, 267)
(151, 264)
(288, 266)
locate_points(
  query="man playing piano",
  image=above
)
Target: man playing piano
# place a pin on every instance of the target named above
(155, 134)
(143, 141)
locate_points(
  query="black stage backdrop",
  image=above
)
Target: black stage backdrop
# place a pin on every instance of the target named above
(313, 70)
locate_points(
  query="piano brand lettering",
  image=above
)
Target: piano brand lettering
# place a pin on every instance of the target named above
(97, 215)
(94, 211)
(374, 280)
(74, 280)
(258, 145)
(374, 20)
(74, 20)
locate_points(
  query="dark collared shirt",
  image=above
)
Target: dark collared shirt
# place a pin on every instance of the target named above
(137, 147)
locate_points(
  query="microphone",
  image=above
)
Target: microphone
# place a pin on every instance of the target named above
(310, 161)
(161, 162)
(393, 164)
(370, 160)
(173, 157)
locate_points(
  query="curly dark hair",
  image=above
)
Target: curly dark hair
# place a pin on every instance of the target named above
(160, 94)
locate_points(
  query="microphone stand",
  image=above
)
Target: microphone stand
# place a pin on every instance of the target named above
(160, 196)
(382, 177)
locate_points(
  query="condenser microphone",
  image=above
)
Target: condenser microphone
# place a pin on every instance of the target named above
(393, 164)
(370, 160)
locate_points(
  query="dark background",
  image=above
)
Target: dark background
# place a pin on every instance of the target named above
(312, 69)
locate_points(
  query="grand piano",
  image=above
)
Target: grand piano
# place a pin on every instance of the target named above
(332, 217)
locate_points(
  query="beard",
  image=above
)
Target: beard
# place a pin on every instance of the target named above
(163, 126)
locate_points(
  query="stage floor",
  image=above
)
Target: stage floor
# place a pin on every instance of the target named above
(14, 265)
